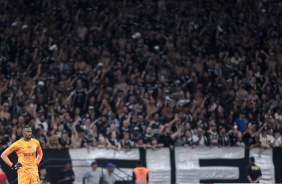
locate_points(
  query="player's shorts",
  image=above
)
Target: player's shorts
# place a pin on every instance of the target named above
(28, 176)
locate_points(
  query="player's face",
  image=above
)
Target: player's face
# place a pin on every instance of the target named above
(27, 133)
(94, 166)
(68, 167)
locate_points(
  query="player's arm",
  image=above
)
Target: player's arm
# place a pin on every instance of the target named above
(248, 175)
(84, 178)
(5, 155)
(257, 180)
(86, 175)
(250, 179)
(39, 154)
(72, 176)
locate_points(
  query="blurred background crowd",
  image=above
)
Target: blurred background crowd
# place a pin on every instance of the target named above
(141, 73)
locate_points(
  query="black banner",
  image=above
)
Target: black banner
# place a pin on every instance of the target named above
(277, 161)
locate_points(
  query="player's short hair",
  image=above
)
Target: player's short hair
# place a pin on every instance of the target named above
(252, 159)
(26, 126)
(68, 163)
(139, 163)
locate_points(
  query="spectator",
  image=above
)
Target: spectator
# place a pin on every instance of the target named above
(235, 137)
(278, 115)
(80, 96)
(125, 126)
(39, 119)
(4, 113)
(250, 136)
(155, 123)
(90, 113)
(126, 143)
(58, 131)
(103, 125)
(200, 139)
(111, 129)
(223, 139)
(18, 133)
(53, 143)
(38, 135)
(140, 144)
(275, 140)
(44, 178)
(102, 142)
(264, 138)
(65, 140)
(241, 122)
(3, 141)
(141, 124)
(67, 175)
(187, 139)
(113, 121)
(113, 142)
(166, 137)
(109, 177)
(43, 145)
(136, 135)
(213, 135)
(94, 175)
(89, 140)
(77, 136)
(154, 144)
(148, 135)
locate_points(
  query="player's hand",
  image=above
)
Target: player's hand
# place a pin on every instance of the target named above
(16, 166)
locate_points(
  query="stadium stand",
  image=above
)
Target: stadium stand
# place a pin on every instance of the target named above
(141, 74)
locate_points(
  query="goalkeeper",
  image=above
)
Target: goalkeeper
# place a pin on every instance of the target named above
(27, 165)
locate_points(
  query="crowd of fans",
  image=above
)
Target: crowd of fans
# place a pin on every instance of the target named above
(147, 74)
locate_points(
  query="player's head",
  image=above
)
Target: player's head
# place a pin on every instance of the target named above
(251, 160)
(68, 166)
(139, 164)
(94, 165)
(27, 132)
(111, 167)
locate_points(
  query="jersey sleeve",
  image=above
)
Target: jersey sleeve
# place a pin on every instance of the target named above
(260, 172)
(13, 147)
(86, 175)
(38, 147)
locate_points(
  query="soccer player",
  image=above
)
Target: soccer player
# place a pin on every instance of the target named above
(27, 164)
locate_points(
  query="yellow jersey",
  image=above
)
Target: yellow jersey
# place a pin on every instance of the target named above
(26, 151)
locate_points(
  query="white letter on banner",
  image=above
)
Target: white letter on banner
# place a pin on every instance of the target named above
(188, 169)
(158, 164)
(263, 159)
(82, 159)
